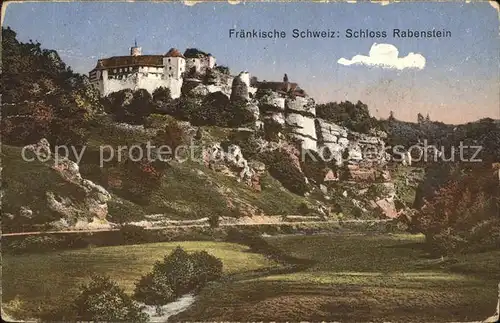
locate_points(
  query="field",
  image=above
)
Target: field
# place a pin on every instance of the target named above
(36, 283)
(359, 278)
(350, 278)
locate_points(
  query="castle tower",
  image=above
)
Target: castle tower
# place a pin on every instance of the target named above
(174, 64)
(135, 51)
(286, 83)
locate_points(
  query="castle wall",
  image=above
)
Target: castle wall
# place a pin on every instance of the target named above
(174, 67)
(193, 62)
(147, 81)
(200, 64)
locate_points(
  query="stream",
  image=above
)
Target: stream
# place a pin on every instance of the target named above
(170, 309)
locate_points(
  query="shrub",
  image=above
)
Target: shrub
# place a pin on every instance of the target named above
(223, 69)
(463, 215)
(154, 289)
(214, 221)
(103, 300)
(129, 106)
(281, 167)
(42, 97)
(35, 243)
(206, 268)
(172, 135)
(177, 274)
(353, 116)
(134, 234)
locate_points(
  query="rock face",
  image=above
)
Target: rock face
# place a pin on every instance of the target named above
(301, 105)
(302, 128)
(297, 116)
(240, 87)
(300, 113)
(91, 204)
(231, 162)
(361, 148)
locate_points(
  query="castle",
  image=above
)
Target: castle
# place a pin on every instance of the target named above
(148, 72)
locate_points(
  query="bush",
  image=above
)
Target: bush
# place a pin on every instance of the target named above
(217, 110)
(177, 274)
(214, 221)
(223, 69)
(464, 215)
(206, 268)
(134, 234)
(154, 289)
(130, 106)
(281, 167)
(42, 97)
(40, 243)
(353, 116)
(103, 300)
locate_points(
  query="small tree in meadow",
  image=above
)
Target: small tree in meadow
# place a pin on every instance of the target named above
(102, 300)
(177, 274)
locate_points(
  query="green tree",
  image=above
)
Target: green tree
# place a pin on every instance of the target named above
(41, 96)
(177, 274)
(353, 116)
(102, 300)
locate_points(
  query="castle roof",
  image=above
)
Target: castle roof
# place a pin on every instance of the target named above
(174, 52)
(128, 61)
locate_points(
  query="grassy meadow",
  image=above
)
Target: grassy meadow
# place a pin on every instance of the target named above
(358, 278)
(351, 278)
(36, 283)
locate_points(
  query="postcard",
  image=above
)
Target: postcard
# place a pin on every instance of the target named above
(243, 161)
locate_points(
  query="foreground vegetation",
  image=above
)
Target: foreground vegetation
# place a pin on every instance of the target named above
(37, 285)
(348, 277)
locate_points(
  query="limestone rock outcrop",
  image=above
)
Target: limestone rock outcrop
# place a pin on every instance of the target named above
(361, 148)
(240, 87)
(301, 105)
(82, 201)
(230, 161)
(300, 113)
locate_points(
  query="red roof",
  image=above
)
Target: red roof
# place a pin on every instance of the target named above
(174, 52)
(127, 61)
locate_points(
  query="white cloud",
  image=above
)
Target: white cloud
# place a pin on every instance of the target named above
(386, 56)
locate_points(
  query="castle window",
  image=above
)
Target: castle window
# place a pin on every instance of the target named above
(169, 60)
(170, 67)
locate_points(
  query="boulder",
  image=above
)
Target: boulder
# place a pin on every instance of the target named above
(240, 87)
(67, 169)
(303, 129)
(26, 212)
(41, 149)
(301, 105)
(258, 166)
(254, 110)
(328, 131)
(271, 101)
(387, 208)
(200, 90)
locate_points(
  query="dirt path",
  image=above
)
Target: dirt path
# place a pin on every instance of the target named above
(195, 226)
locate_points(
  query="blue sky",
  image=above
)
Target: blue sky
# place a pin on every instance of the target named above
(460, 80)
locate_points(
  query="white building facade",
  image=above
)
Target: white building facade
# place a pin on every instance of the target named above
(148, 72)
